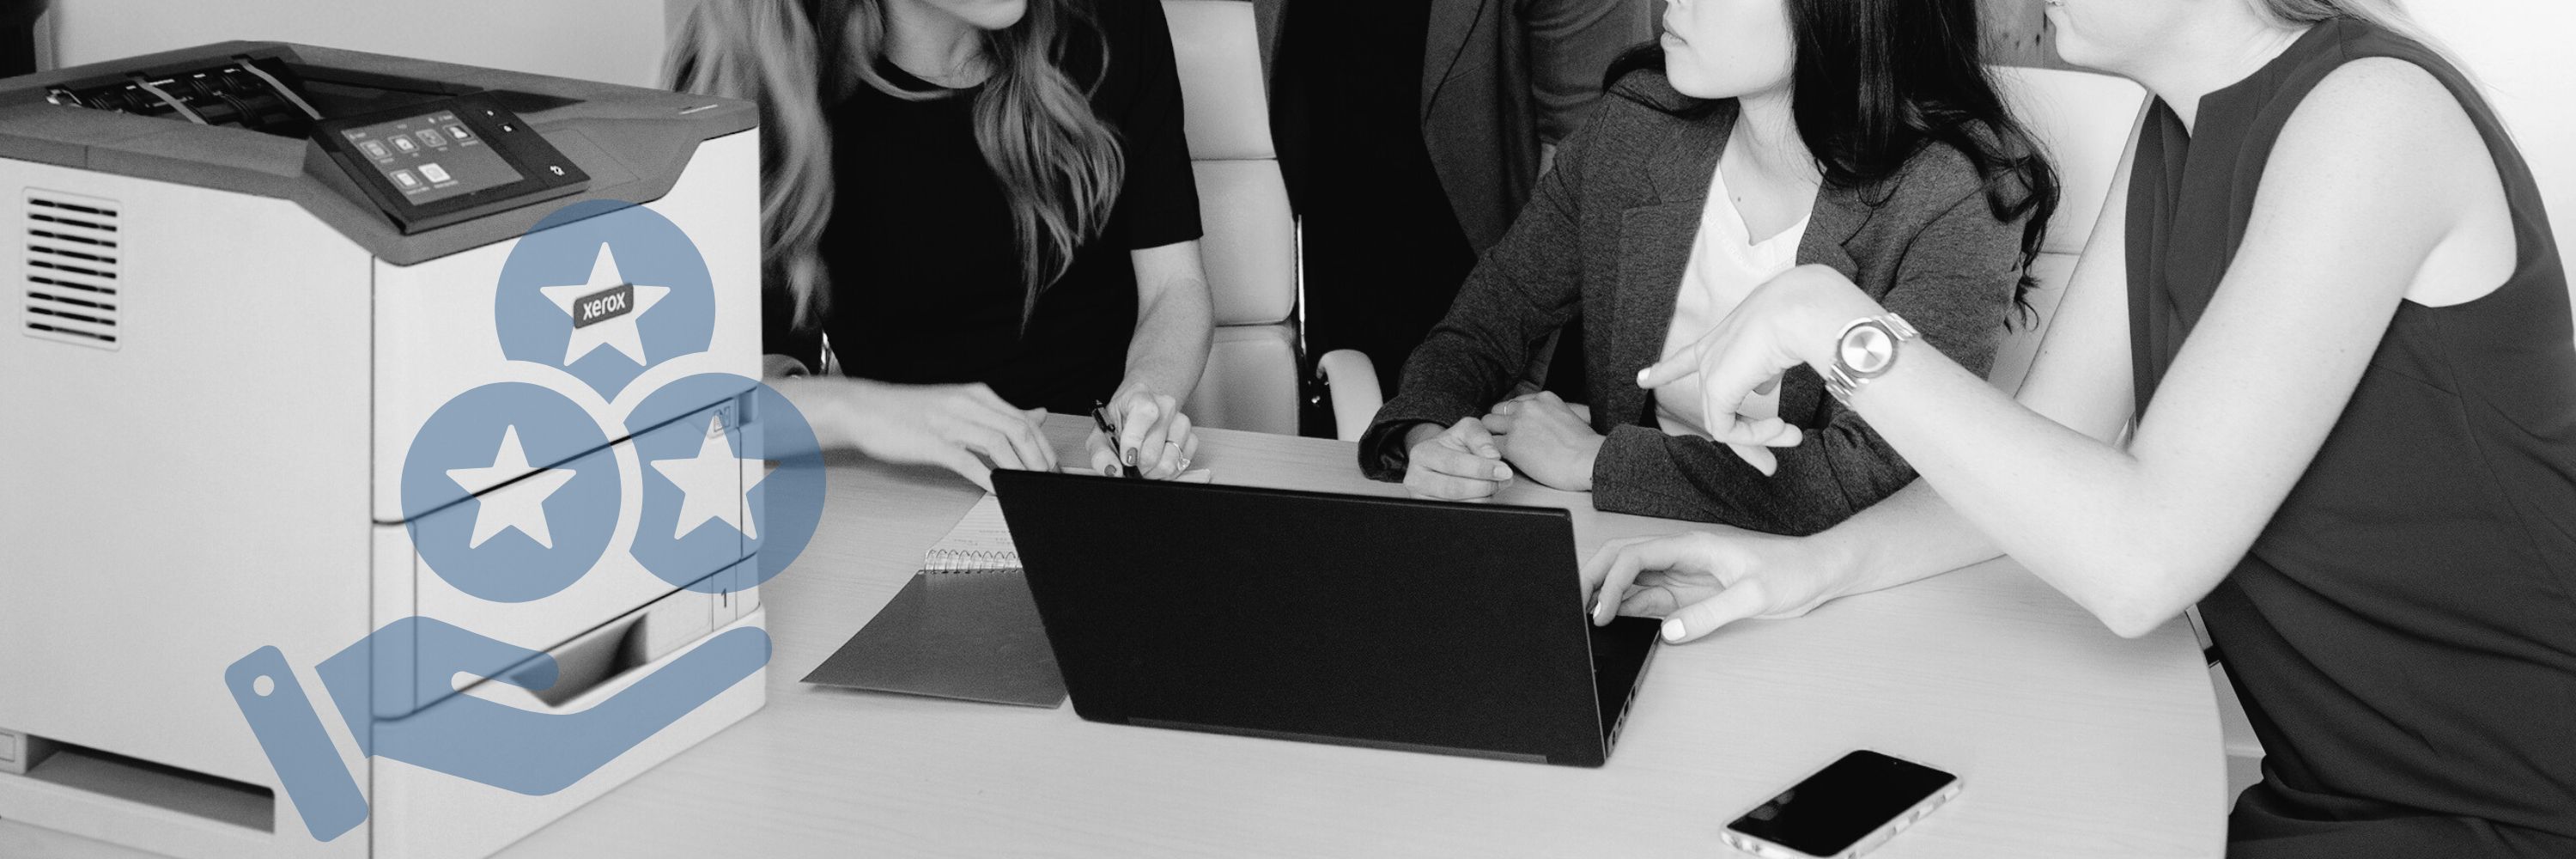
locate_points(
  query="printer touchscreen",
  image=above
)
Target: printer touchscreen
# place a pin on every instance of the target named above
(447, 161)
(431, 157)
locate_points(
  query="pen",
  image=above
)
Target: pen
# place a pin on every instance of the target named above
(1100, 416)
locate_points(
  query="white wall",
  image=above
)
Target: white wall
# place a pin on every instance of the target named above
(2518, 48)
(619, 41)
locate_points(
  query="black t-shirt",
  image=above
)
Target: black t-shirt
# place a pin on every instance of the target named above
(924, 269)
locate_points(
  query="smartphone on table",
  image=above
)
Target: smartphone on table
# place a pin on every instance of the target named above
(1844, 810)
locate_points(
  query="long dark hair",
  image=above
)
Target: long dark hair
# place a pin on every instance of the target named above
(1876, 80)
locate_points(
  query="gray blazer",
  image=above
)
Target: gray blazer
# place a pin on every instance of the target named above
(1609, 232)
(1499, 78)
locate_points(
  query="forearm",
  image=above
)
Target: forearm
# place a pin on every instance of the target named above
(1385, 449)
(2364, 186)
(826, 403)
(1910, 536)
(1468, 363)
(1169, 351)
(2080, 513)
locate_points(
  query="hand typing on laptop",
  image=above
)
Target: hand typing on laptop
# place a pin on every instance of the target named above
(1699, 581)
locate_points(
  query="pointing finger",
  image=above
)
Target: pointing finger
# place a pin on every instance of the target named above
(1681, 365)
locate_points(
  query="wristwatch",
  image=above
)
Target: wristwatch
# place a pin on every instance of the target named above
(1865, 350)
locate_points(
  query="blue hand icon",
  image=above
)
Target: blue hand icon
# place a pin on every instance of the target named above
(506, 747)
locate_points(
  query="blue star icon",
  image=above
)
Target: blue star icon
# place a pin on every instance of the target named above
(509, 493)
(604, 290)
(718, 490)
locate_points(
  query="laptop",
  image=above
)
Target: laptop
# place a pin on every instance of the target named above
(1381, 622)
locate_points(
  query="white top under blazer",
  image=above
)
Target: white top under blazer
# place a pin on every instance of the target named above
(1725, 265)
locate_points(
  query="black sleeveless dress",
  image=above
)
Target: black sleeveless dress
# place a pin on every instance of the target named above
(2403, 632)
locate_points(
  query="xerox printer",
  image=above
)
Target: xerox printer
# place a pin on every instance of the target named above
(292, 336)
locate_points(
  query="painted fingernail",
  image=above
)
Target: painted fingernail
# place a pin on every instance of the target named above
(1131, 456)
(1112, 471)
(1672, 629)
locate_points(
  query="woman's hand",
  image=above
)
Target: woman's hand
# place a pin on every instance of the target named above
(1460, 463)
(965, 428)
(1546, 439)
(1788, 321)
(1153, 436)
(1700, 581)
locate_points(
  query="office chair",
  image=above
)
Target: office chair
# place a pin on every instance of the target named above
(1253, 378)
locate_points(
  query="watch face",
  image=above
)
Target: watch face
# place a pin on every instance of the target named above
(1867, 349)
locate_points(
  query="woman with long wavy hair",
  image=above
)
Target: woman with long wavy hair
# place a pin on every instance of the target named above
(1758, 134)
(983, 207)
(2325, 309)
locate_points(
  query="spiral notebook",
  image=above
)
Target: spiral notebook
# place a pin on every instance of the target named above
(963, 627)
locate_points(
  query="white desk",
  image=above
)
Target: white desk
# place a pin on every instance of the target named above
(2072, 741)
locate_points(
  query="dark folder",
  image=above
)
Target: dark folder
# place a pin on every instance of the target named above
(964, 627)
(966, 634)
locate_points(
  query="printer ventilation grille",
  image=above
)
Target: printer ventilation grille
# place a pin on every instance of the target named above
(71, 273)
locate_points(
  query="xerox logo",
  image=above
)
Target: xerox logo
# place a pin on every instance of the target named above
(600, 307)
(550, 306)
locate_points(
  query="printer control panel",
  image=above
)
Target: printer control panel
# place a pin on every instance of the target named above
(429, 165)
(432, 156)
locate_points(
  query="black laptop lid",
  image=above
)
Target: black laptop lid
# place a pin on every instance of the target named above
(1387, 622)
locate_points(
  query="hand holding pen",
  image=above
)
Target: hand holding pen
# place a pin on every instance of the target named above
(1141, 434)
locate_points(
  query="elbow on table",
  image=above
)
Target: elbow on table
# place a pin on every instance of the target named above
(2135, 623)
(2135, 598)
